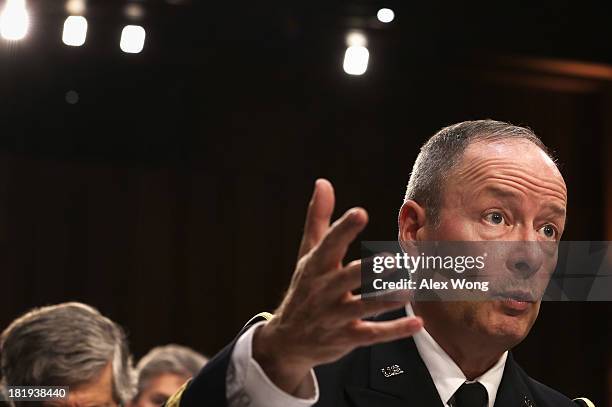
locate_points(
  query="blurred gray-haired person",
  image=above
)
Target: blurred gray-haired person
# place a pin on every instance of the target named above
(73, 345)
(162, 371)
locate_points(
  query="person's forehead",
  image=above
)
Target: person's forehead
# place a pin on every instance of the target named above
(168, 378)
(506, 148)
(96, 392)
(488, 155)
(98, 397)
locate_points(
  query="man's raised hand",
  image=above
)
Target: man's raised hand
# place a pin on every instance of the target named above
(320, 319)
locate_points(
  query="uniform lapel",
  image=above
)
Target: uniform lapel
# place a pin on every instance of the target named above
(513, 391)
(398, 375)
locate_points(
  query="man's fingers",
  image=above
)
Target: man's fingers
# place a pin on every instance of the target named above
(332, 248)
(318, 217)
(346, 279)
(370, 332)
(351, 277)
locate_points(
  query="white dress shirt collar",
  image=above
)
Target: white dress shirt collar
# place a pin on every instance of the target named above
(446, 375)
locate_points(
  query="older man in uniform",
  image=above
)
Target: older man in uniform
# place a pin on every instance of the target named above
(473, 181)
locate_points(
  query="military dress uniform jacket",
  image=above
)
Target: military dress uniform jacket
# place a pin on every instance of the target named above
(383, 375)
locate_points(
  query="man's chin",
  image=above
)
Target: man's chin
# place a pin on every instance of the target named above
(512, 320)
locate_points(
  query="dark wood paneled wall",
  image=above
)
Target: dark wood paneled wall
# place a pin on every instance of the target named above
(185, 250)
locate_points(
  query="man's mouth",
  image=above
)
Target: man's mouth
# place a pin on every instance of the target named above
(515, 302)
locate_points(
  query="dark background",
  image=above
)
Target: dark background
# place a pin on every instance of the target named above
(172, 195)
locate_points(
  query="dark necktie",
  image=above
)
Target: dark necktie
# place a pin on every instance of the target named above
(470, 395)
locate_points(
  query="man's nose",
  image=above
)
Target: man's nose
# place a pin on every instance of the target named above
(525, 258)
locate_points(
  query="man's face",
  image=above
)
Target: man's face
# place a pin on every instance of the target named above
(159, 389)
(502, 191)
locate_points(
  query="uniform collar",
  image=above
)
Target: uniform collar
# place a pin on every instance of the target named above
(446, 375)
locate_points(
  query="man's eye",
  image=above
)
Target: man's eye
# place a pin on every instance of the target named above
(495, 218)
(549, 230)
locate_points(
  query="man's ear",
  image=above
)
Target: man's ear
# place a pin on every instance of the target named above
(411, 220)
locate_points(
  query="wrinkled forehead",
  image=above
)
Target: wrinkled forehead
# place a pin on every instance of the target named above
(512, 167)
(522, 154)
